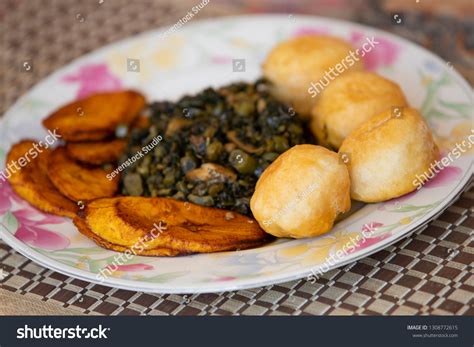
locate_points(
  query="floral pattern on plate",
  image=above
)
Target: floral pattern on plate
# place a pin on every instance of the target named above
(199, 55)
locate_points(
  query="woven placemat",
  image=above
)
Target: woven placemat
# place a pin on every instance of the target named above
(429, 272)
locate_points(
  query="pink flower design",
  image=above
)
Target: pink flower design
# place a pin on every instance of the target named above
(31, 216)
(7, 195)
(444, 177)
(382, 54)
(303, 31)
(130, 267)
(30, 222)
(31, 232)
(220, 59)
(41, 238)
(371, 227)
(93, 78)
(368, 242)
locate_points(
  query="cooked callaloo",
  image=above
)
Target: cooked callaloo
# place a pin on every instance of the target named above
(215, 146)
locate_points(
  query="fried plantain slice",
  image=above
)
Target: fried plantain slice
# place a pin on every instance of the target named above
(167, 223)
(96, 153)
(96, 117)
(141, 122)
(79, 182)
(141, 250)
(31, 181)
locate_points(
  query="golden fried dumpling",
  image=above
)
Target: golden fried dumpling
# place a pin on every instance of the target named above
(301, 193)
(296, 66)
(349, 101)
(386, 154)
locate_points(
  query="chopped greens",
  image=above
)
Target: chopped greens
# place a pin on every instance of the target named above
(215, 146)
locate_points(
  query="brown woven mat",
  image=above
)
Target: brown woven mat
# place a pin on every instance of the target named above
(429, 272)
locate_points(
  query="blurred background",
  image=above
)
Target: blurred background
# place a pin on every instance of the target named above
(50, 33)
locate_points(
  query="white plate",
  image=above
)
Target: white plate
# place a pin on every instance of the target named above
(199, 55)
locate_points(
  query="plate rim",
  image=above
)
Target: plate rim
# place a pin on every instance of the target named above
(125, 284)
(212, 287)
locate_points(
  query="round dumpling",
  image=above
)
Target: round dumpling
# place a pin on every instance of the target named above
(349, 101)
(302, 192)
(387, 154)
(297, 66)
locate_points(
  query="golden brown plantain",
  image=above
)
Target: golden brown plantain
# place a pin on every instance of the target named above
(141, 122)
(96, 117)
(77, 181)
(167, 223)
(31, 182)
(96, 153)
(159, 252)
